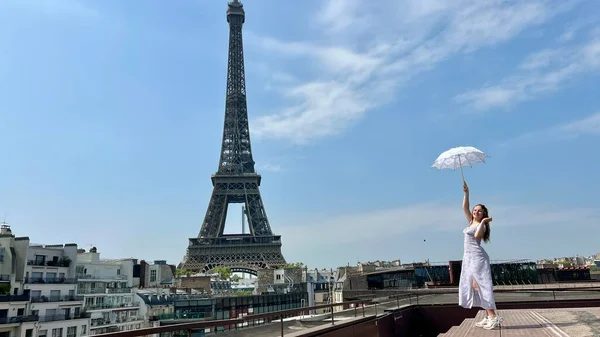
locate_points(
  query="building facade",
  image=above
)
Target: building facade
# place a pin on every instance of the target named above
(50, 281)
(106, 287)
(15, 318)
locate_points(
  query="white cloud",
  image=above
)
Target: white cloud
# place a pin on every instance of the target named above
(575, 27)
(587, 126)
(374, 49)
(356, 228)
(269, 167)
(542, 72)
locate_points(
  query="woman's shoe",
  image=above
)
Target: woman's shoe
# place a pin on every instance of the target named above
(493, 323)
(483, 322)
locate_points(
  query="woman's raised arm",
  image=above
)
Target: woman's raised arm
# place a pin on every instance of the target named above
(466, 206)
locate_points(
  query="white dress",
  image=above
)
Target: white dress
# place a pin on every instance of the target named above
(475, 265)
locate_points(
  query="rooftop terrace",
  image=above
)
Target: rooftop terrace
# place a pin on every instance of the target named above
(562, 310)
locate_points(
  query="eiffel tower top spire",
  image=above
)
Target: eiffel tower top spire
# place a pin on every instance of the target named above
(236, 150)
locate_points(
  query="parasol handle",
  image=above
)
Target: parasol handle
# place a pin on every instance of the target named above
(461, 170)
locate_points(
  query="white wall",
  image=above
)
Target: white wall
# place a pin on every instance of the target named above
(63, 324)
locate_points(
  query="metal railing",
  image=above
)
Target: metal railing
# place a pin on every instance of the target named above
(98, 322)
(18, 319)
(59, 263)
(118, 290)
(50, 280)
(65, 298)
(115, 278)
(14, 298)
(112, 305)
(4, 278)
(54, 318)
(276, 316)
(86, 291)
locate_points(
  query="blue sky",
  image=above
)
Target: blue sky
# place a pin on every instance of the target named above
(111, 118)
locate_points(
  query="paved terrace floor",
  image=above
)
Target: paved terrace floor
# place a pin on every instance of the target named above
(571, 322)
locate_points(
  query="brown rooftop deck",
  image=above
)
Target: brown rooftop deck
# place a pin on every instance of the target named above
(564, 322)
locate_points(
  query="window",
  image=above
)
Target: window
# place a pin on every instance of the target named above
(1, 254)
(43, 333)
(54, 295)
(29, 333)
(57, 332)
(40, 260)
(72, 331)
(153, 276)
(36, 293)
(83, 330)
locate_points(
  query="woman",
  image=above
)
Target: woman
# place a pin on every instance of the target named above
(476, 288)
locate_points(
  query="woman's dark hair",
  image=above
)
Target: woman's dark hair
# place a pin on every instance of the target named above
(486, 234)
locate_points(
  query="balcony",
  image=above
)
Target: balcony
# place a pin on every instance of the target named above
(85, 291)
(50, 280)
(85, 277)
(103, 322)
(4, 278)
(63, 262)
(66, 298)
(18, 319)
(112, 306)
(118, 290)
(63, 317)
(14, 298)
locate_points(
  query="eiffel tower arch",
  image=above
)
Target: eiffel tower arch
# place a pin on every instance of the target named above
(236, 181)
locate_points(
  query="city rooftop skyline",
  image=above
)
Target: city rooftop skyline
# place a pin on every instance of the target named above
(112, 123)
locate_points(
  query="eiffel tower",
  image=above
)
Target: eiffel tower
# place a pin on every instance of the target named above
(236, 181)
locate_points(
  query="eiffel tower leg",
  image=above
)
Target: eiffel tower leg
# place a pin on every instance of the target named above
(216, 215)
(257, 217)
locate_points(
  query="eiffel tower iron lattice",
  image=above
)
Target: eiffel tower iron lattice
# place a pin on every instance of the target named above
(236, 181)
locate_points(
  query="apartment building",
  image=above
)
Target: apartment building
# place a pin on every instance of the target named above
(50, 281)
(108, 292)
(15, 319)
(158, 274)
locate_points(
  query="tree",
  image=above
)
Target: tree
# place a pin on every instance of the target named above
(294, 265)
(235, 278)
(224, 272)
(179, 273)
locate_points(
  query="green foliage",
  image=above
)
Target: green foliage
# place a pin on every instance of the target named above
(235, 278)
(594, 268)
(5, 289)
(224, 272)
(65, 261)
(294, 265)
(243, 293)
(179, 273)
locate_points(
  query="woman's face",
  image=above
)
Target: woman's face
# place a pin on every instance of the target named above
(478, 213)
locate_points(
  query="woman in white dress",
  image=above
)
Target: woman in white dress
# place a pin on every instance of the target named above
(476, 288)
